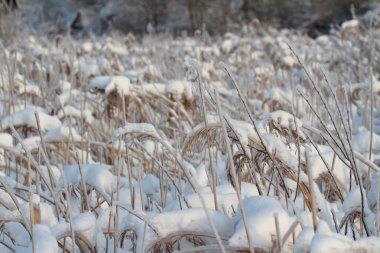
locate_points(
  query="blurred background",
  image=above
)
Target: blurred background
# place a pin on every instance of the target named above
(176, 17)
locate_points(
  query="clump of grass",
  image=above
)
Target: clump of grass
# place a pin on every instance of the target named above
(170, 133)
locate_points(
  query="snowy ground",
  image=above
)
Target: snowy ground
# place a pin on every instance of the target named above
(202, 144)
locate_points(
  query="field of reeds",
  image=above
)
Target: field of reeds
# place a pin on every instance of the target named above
(264, 140)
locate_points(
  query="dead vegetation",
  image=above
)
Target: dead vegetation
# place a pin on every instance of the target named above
(106, 153)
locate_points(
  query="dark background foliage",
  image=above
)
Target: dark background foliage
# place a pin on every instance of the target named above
(175, 16)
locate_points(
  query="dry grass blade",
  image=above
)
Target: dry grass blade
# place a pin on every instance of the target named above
(195, 140)
(234, 176)
(166, 242)
(213, 248)
(17, 204)
(343, 142)
(81, 242)
(122, 133)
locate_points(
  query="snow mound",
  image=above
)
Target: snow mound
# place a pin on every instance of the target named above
(83, 224)
(194, 219)
(44, 241)
(99, 83)
(119, 83)
(180, 89)
(261, 213)
(95, 175)
(62, 133)
(26, 118)
(322, 243)
(136, 128)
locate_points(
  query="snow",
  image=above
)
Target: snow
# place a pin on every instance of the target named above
(289, 61)
(279, 150)
(180, 89)
(6, 140)
(303, 240)
(65, 97)
(317, 167)
(139, 201)
(278, 95)
(95, 175)
(62, 133)
(161, 149)
(284, 120)
(26, 118)
(246, 132)
(87, 47)
(226, 198)
(30, 89)
(156, 89)
(136, 128)
(82, 224)
(191, 220)
(47, 212)
(261, 213)
(56, 173)
(88, 68)
(18, 232)
(117, 49)
(324, 243)
(354, 23)
(150, 184)
(31, 143)
(119, 83)
(69, 110)
(370, 244)
(360, 142)
(44, 241)
(352, 202)
(99, 83)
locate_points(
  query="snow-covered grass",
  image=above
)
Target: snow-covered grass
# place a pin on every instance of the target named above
(263, 141)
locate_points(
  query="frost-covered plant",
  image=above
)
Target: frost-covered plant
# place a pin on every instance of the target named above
(116, 143)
